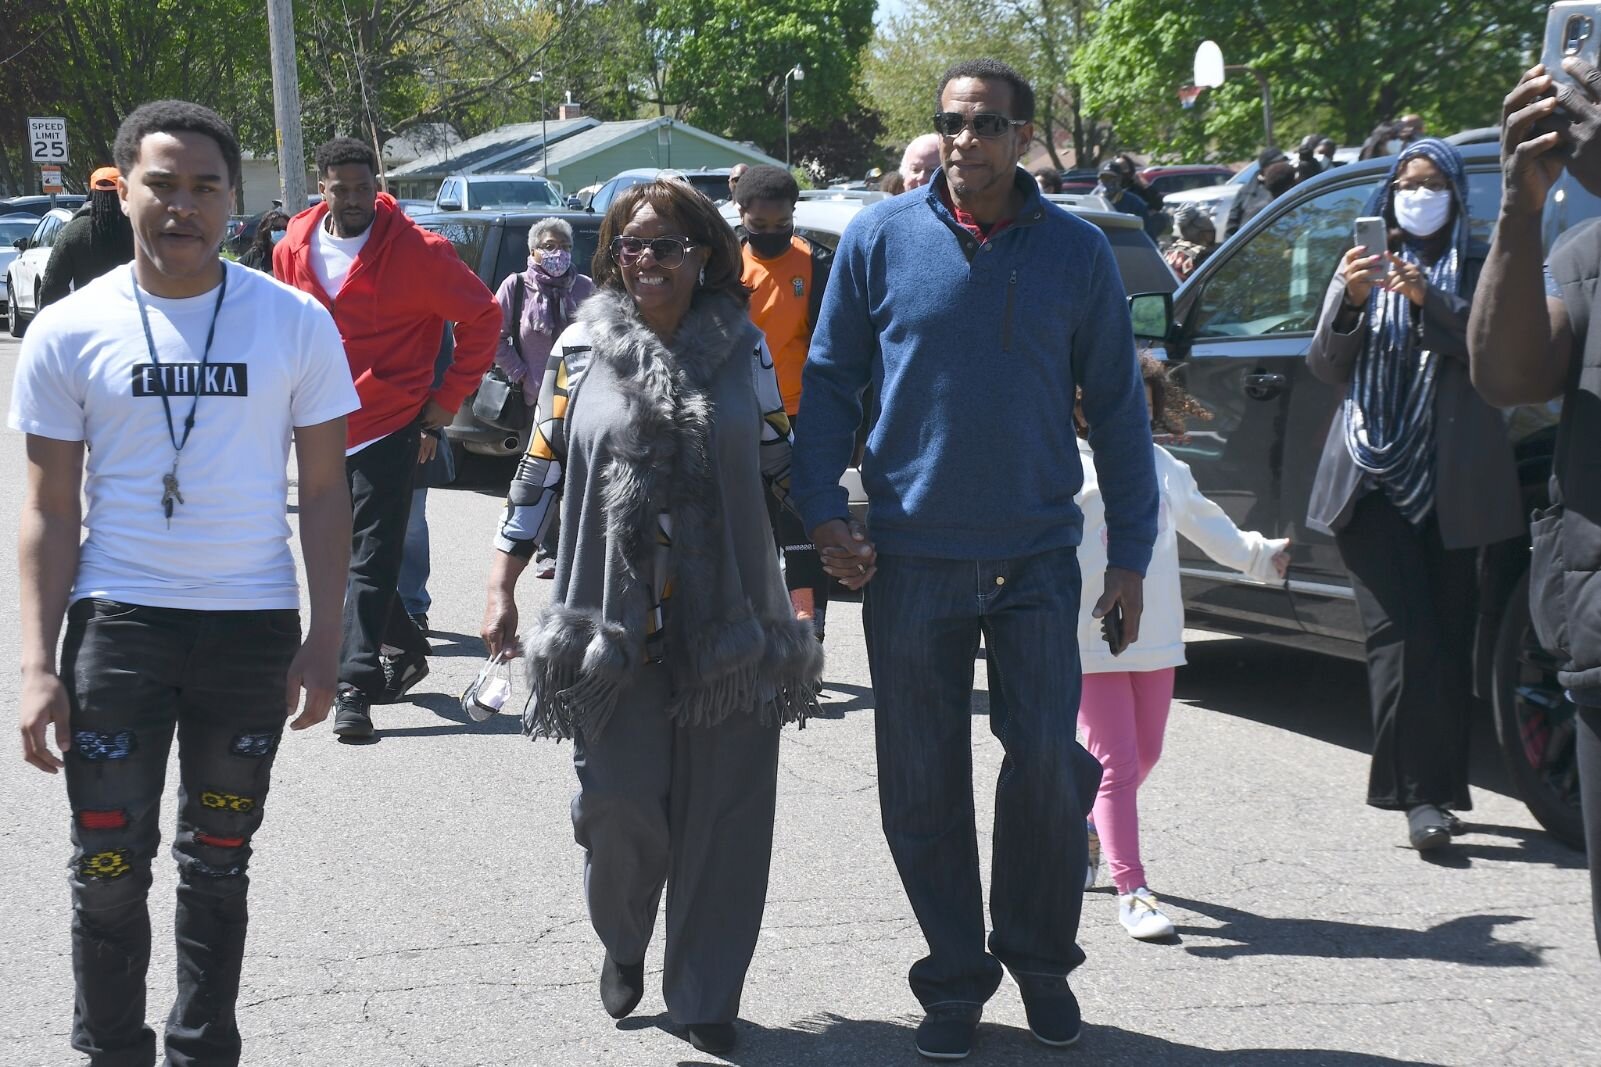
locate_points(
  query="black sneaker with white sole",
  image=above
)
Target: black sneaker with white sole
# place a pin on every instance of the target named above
(1053, 1012)
(352, 714)
(946, 1032)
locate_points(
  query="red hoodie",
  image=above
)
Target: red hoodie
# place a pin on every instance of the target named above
(404, 286)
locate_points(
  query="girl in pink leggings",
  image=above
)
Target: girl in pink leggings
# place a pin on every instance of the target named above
(1123, 710)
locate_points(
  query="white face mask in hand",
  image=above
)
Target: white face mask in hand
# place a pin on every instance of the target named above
(1422, 212)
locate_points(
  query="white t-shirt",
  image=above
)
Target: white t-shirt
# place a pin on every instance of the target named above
(85, 374)
(332, 256)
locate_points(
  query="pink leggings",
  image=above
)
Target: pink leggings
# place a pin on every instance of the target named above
(1123, 716)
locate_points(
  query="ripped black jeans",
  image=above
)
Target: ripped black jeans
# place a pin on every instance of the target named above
(134, 676)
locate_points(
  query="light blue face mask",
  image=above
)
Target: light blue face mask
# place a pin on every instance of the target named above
(278, 235)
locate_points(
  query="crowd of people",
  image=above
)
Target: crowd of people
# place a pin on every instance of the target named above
(695, 400)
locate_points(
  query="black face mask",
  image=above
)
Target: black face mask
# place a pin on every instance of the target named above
(770, 245)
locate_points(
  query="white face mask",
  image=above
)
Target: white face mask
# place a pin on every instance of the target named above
(1422, 212)
(1393, 146)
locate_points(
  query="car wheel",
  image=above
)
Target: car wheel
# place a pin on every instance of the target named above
(14, 321)
(1535, 723)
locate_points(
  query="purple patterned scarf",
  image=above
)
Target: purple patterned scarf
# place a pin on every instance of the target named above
(554, 307)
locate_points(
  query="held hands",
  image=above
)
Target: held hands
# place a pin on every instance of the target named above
(1363, 272)
(44, 703)
(1126, 589)
(315, 669)
(848, 556)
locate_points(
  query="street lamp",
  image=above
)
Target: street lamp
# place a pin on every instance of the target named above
(799, 75)
(544, 136)
(1210, 71)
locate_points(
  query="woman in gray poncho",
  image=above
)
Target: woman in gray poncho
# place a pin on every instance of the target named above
(669, 653)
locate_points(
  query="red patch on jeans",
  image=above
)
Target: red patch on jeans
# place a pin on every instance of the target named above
(102, 820)
(218, 842)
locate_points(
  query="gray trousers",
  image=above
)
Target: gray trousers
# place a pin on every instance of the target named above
(691, 808)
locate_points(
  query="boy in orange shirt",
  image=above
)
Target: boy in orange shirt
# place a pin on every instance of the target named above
(786, 275)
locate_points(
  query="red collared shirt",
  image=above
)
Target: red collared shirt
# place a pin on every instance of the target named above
(968, 222)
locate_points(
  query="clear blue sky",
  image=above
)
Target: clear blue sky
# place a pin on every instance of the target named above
(886, 8)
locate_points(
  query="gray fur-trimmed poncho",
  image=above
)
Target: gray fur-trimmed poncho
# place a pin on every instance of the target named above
(662, 456)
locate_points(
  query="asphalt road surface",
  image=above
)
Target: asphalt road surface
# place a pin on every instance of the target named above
(417, 901)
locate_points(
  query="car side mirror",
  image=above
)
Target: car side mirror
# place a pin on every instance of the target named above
(449, 205)
(1152, 315)
(20, 244)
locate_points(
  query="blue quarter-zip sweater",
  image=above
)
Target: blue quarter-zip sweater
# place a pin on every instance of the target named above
(974, 349)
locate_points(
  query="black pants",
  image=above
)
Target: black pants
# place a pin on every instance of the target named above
(1590, 796)
(1418, 601)
(134, 675)
(381, 478)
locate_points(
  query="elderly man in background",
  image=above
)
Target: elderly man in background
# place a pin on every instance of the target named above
(920, 160)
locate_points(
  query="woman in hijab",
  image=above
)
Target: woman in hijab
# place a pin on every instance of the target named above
(1416, 476)
(538, 304)
(669, 652)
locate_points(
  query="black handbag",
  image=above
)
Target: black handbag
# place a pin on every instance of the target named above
(499, 402)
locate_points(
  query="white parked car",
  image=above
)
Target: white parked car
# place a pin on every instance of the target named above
(25, 275)
(13, 228)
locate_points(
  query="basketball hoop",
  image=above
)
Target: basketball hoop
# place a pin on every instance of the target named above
(1189, 94)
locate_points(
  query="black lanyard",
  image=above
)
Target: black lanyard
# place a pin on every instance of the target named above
(205, 360)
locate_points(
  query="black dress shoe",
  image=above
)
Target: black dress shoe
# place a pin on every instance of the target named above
(946, 1032)
(621, 986)
(1052, 1010)
(352, 714)
(1428, 828)
(715, 1038)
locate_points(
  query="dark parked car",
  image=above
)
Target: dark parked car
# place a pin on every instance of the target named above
(1240, 329)
(38, 205)
(495, 246)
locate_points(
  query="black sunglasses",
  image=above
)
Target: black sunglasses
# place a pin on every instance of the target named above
(984, 123)
(667, 251)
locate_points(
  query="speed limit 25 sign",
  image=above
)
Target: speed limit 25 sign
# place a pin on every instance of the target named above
(48, 139)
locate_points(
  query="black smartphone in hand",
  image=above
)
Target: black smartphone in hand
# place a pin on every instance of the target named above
(1112, 629)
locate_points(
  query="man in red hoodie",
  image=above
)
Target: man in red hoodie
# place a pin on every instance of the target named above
(392, 287)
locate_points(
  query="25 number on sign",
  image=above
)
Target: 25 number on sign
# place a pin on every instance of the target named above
(47, 138)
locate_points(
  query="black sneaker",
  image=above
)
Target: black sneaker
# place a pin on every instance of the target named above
(352, 714)
(420, 620)
(621, 986)
(715, 1038)
(946, 1032)
(1052, 1010)
(401, 675)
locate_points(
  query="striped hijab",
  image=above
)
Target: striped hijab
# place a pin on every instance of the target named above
(1389, 411)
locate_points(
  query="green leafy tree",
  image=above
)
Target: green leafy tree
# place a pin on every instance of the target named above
(1334, 66)
(93, 61)
(725, 62)
(1040, 38)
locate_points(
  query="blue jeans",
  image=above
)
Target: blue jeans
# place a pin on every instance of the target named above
(923, 619)
(414, 562)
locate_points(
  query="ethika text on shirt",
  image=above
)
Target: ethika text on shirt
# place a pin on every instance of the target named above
(191, 379)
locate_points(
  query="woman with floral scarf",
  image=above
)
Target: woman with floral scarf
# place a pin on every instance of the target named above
(552, 288)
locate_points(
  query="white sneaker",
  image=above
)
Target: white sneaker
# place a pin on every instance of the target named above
(1141, 915)
(1094, 868)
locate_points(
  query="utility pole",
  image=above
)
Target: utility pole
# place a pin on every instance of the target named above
(286, 105)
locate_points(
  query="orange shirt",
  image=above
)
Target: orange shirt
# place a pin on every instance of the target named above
(780, 295)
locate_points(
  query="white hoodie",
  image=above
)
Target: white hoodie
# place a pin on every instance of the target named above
(1183, 510)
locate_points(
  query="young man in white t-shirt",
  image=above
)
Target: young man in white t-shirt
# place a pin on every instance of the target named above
(169, 391)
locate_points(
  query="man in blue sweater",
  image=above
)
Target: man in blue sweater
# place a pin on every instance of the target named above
(976, 310)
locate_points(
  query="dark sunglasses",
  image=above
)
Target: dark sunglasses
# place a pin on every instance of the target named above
(667, 251)
(984, 123)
